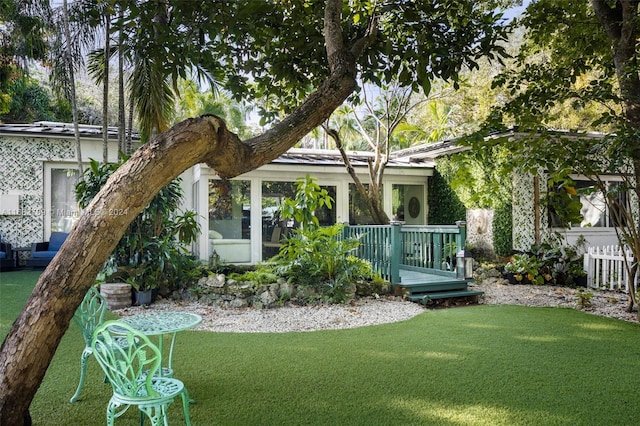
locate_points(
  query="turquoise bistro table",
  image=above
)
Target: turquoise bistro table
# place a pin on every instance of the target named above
(161, 323)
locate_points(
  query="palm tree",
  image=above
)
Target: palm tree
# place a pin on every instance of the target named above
(72, 83)
(22, 38)
(105, 87)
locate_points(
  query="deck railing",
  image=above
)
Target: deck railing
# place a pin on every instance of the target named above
(388, 247)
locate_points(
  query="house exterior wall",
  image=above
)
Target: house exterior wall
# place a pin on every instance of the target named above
(28, 161)
(25, 172)
(325, 175)
(524, 218)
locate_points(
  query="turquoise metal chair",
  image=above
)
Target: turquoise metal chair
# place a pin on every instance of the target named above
(132, 371)
(88, 317)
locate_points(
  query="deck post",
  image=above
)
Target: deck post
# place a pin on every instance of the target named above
(461, 237)
(396, 250)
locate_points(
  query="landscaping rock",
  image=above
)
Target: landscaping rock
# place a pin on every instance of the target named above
(268, 298)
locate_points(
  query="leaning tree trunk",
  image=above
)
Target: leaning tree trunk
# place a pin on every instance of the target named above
(30, 345)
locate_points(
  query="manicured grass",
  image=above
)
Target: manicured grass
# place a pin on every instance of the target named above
(15, 288)
(481, 365)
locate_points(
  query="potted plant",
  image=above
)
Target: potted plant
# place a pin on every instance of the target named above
(150, 252)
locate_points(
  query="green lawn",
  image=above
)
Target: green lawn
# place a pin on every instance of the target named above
(479, 365)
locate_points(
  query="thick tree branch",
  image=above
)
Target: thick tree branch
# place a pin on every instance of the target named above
(312, 113)
(609, 17)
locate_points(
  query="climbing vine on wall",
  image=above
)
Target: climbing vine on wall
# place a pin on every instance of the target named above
(445, 208)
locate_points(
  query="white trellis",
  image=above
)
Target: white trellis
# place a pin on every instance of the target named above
(605, 267)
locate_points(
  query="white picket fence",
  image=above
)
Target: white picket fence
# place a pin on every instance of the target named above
(605, 267)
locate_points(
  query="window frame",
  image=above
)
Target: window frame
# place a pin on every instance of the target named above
(608, 218)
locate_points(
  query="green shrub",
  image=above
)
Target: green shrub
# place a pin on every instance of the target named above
(526, 269)
(373, 287)
(319, 258)
(563, 263)
(553, 261)
(152, 253)
(503, 230)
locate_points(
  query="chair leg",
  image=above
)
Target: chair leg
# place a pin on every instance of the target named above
(156, 413)
(86, 353)
(185, 406)
(111, 412)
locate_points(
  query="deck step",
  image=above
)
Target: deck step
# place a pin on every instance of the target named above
(425, 287)
(423, 297)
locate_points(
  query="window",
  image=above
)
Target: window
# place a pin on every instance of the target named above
(230, 208)
(594, 211)
(359, 213)
(64, 208)
(230, 220)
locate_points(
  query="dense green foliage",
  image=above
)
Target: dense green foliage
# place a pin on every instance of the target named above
(565, 63)
(319, 258)
(503, 229)
(445, 207)
(273, 53)
(478, 176)
(23, 28)
(153, 251)
(29, 102)
(552, 262)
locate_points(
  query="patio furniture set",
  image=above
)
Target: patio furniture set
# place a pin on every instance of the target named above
(38, 255)
(131, 361)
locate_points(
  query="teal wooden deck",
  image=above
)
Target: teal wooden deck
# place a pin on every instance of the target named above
(419, 261)
(424, 286)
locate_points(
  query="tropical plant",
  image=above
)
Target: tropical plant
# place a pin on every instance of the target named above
(564, 262)
(29, 102)
(553, 261)
(309, 197)
(23, 36)
(318, 257)
(152, 253)
(525, 268)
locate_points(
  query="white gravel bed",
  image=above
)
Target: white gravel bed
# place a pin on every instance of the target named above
(372, 311)
(607, 303)
(288, 318)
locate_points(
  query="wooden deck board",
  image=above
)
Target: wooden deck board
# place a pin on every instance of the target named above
(409, 277)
